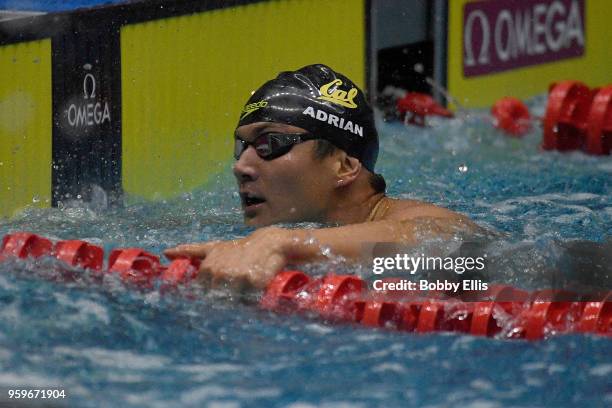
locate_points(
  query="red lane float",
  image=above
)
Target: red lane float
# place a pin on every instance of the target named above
(597, 317)
(548, 314)
(395, 309)
(495, 306)
(304, 299)
(487, 314)
(24, 245)
(133, 265)
(332, 296)
(567, 111)
(415, 106)
(379, 313)
(512, 116)
(390, 308)
(337, 295)
(431, 316)
(80, 253)
(283, 289)
(599, 128)
(501, 309)
(180, 270)
(578, 118)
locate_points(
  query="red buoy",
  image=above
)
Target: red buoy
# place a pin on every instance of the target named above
(415, 106)
(181, 270)
(80, 253)
(134, 265)
(337, 295)
(599, 124)
(283, 288)
(344, 297)
(375, 313)
(512, 116)
(25, 245)
(567, 111)
(597, 317)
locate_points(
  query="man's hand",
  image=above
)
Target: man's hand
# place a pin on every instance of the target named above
(254, 260)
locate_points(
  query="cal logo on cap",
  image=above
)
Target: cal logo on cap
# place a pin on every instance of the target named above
(338, 96)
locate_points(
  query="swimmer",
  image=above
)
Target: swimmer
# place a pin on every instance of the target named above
(305, 149)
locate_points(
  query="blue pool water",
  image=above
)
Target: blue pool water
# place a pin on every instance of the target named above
(108, 345)
(53, 5)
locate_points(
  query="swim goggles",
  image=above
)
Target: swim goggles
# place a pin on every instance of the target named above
(269, 145)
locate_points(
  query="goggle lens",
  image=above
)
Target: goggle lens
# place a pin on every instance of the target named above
(270, 145)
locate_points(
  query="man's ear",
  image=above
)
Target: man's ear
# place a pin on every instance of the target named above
(347, 169)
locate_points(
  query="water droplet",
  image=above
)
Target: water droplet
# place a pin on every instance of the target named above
(310, 241)
(79, 196)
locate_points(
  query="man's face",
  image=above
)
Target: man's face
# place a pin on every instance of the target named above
(294, 187)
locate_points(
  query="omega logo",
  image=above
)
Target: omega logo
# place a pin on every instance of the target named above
(522, 33)
(90, 112)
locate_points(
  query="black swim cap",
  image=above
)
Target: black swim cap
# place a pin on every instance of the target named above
(323, 102)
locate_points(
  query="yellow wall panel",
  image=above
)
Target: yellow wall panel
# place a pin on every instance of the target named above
(185, 80)
(25, 126)
(594, 67)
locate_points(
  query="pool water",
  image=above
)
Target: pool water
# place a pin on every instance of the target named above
(109, 345)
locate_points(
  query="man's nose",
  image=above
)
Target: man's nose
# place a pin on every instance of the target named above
(245, 167)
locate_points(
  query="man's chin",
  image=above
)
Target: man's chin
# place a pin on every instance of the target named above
(256, 220)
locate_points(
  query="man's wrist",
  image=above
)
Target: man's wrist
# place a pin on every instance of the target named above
(299, 245)
(283, 241)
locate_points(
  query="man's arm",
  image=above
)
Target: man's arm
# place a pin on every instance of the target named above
(257, 258)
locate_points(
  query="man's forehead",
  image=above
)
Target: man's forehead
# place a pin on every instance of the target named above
(257, 128)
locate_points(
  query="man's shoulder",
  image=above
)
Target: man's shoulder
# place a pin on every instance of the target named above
(402, 210)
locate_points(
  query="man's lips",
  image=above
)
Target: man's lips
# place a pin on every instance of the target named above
(250, 200)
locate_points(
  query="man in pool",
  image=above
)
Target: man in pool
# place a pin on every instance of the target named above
(305, 149)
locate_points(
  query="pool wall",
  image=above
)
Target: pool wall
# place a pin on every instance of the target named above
(25, 125)
(185, 80)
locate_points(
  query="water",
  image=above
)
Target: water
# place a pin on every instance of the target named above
(108, 345)
(52, 6)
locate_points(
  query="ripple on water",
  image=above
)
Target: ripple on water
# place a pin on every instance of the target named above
(601, 370)
(117, 359)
